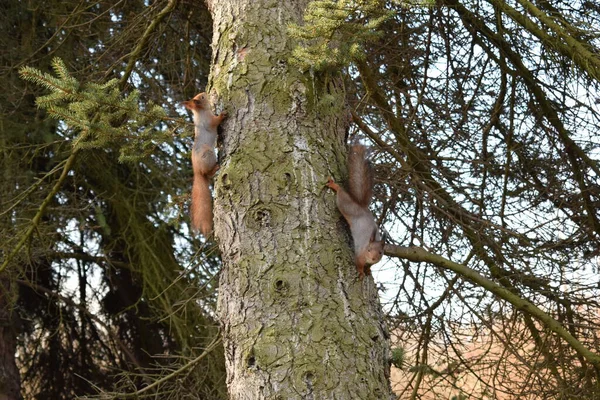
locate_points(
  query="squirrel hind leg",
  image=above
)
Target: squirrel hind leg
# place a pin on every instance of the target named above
(214, 170)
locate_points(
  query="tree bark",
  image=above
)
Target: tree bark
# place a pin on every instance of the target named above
(297, 322)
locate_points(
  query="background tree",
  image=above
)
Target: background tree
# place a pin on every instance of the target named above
(105, 277)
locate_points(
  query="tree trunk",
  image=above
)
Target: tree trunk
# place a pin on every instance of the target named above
(297, 322)
(9, 374)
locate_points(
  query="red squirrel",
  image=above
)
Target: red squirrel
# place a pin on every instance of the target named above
(204, 161)
(354, 206)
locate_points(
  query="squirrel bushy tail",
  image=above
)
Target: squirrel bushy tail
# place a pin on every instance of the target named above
(205, 165)
(360, 184)
(201, 207)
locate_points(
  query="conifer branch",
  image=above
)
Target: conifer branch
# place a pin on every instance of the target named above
(565, 44)
(417, 254)
(133, 57)
(98, 113)
(23, 195)
(38, 216)
(546, 109)
(110, 332)
(141, 393)
(335, 31)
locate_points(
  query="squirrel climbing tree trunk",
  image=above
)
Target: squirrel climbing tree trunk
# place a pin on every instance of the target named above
(297, 322)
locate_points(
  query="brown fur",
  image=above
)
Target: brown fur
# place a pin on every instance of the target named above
(204, 161)
(354, 206)
(360, 184)
(201, 206)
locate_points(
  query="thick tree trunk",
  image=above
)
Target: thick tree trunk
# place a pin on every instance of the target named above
(9, 374)
(297, 321)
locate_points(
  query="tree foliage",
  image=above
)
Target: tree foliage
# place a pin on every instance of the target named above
(98, 114)
(94, 234)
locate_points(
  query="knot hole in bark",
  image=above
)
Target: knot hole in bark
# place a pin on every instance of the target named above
(280, 67)
(262, 216)
(284, 182)
(225, 181)
(251, 361)
(308, 379)
(280, 285)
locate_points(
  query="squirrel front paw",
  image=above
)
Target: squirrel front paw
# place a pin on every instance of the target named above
(331, 184)
(361, 272)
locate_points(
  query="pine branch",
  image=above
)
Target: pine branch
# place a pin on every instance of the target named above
(335, 32)
(38, 216)
(84, 109)
(418, 254)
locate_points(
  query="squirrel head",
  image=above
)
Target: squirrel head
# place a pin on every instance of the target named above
(198, 103)
(374, 252)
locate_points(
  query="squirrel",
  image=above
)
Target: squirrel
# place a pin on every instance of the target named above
(354, 206)
(204, 161)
